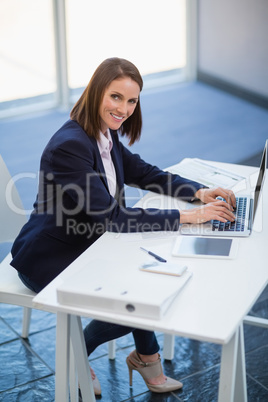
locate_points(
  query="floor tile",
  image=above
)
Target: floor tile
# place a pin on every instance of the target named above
(255, 337)
(43, 343)
(190, 357)
(6, 333)
(19, 365)
(200, 387)
(260, 308)
(257, 365)
(153, 397)
(255, 391)
(40, 320)
(10, 313)
(36, 391)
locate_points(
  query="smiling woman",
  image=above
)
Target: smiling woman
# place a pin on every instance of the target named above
(83, 171)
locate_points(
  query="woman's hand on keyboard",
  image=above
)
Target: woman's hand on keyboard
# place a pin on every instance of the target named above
(219, 210)
(207, 195)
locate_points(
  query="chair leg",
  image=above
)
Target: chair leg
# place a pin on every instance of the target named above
(111, 349)
(168, 348)
(27, 311)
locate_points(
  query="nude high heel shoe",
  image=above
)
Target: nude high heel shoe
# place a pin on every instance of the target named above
(96, 387)
(148, 371)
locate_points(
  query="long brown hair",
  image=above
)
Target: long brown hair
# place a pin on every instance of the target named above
(86, 109)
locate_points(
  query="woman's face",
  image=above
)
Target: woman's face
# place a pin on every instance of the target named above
(118, 103)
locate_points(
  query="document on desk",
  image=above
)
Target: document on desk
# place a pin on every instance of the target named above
(209, 175)
(100, 285)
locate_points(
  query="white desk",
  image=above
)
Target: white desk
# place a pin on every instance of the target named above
(210, 308)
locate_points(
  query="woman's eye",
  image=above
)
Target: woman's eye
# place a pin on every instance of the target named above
(133, 101)
(115, 96)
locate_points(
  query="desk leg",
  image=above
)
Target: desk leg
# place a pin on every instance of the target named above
(62, 358)
(73, 377)
(233, 372)
(81, 359)
(241, 378)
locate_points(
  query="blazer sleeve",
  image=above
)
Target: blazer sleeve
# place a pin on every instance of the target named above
(139, 173)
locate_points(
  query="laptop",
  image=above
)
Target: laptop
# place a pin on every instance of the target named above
(245, 212)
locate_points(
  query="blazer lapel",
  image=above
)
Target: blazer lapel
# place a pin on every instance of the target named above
(118, 165)
(99, 165)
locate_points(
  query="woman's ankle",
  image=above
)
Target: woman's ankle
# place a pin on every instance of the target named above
(161, 378)
(148, 358)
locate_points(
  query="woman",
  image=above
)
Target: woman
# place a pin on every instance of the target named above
(82, 174)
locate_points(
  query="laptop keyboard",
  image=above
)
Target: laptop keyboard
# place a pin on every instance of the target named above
(240, 214)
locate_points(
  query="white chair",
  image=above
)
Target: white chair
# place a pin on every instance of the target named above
(12, 218)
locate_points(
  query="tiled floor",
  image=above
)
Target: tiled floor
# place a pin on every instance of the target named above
(207, 117)
(27, 366)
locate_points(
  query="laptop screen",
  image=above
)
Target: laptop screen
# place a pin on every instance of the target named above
(260, 179)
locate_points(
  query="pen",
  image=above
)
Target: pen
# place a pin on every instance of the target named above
(157, 257)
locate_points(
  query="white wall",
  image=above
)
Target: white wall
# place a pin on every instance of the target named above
(233, 42)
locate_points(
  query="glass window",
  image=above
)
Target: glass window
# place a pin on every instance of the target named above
(27, 53)
(150, 33)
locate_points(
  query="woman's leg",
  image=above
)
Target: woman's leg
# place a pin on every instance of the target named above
(145, 342)
(98, 332)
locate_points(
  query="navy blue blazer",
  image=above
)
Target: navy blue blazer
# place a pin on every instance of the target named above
(74, 207)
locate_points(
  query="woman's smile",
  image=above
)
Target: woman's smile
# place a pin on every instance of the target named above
(118, 118)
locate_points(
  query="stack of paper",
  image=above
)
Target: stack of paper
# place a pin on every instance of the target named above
(209, 175)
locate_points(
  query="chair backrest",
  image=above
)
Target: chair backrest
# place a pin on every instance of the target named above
(12, 218)
(12, 214)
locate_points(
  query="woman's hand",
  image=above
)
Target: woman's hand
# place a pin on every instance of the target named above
(207, 195)
(214, 209)
(219, 210)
